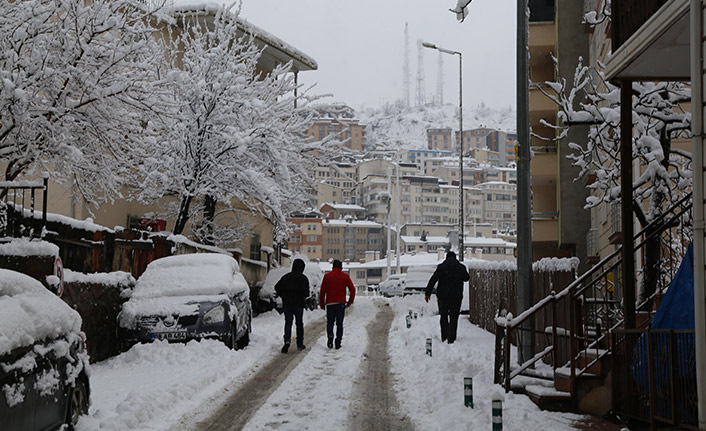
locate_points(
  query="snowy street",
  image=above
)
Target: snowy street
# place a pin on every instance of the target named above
(164, 386)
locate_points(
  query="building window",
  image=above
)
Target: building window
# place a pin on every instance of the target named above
(360, 274)
(255, 246)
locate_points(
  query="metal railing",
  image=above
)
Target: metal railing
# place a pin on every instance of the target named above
(16, 219)
(654, 376)
(576, 320)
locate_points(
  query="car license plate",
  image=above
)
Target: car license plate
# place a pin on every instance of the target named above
(170, 335)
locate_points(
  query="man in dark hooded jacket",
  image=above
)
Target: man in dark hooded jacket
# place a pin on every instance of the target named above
(450, 274)
(293, 288)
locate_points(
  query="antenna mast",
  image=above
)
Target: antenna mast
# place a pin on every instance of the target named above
(440, 81)
(406, 66)
(420, 75)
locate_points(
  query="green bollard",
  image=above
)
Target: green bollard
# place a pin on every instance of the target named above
(468, 391)
(429, 346)
(497, 414)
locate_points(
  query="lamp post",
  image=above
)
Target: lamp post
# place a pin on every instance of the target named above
(460, 140)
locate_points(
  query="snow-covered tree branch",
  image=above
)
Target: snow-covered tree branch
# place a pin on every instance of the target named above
(76, 91)
(236, 142)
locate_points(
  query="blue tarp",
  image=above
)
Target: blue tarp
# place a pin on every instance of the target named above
(676, 311)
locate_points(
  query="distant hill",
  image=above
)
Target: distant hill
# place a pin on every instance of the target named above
(394, 126)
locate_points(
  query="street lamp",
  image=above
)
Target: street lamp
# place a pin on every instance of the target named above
(460, 140)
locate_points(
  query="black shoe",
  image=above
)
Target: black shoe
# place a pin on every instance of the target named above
(338, 344)
(329, 343)
(285, 348)
(451, 341)
(301, 347)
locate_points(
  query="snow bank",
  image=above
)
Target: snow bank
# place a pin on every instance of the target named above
(27, 247)
(116, 278)
(30, 313)
(553, 264)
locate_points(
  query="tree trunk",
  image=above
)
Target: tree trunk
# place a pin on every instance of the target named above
(209, 213)
(183, 215)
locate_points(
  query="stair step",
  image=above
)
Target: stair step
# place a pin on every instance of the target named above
(550, 399)
(562, 378)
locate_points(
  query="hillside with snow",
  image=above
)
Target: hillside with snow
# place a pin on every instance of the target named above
(395, 126)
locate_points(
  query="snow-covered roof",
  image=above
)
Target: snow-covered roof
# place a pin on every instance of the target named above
(357, 223)
(487, 242)
(430, 239)
(285, 50)
(344, 207)
(29, 312)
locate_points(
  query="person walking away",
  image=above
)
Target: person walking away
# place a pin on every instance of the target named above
(293, 288)
(450, 274)
(333, 298)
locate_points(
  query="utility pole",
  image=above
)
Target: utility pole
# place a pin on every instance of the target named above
(524, 190)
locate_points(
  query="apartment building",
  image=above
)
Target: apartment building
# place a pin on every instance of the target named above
(307, 236)
(420, 157)
(559, 221)
(338, 211)
(336, 184)
(348, 240)
(440, 139)
(338, 122)
(499, 204)
(474, 139)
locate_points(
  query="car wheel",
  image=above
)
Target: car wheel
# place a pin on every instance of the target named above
(245, 339)
(78, 403)
(231, 339)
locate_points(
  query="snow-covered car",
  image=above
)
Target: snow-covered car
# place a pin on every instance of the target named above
(417, 279)
(312, 271)
(43, 361)
(393, 285)
(187, 297)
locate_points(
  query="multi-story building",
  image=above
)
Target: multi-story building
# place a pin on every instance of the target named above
(307, 236)
(559, 221)
(420, 157)
(338, 121)
(336, 184)
(348, 240)
(440, 139)
(474, 139)
(499, 204)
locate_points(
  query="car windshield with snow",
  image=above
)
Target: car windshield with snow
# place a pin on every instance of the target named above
(43, 379)
(186, 297)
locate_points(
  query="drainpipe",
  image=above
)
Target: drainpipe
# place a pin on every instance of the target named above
(697, 128)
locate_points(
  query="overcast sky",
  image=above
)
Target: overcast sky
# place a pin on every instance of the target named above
(359, 46)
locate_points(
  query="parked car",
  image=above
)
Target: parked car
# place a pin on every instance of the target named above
(393, 285)
(417, 279)
(313, 272)
(44, 382)
(188, 297)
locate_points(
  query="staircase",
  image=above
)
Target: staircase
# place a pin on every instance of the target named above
(570, 330)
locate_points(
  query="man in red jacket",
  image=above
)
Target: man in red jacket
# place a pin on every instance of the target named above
(333, 299)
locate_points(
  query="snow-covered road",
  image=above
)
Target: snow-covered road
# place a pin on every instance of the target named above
(165, 386)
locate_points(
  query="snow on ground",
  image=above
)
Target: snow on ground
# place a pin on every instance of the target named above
(164, 386)
(152, 386)
(317, 394)
(430, 389)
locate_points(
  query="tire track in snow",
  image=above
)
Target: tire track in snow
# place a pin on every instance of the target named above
(375, 405)
(237, 410)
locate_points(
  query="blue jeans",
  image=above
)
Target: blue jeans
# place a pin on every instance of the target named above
(289, 315)
(335, 313)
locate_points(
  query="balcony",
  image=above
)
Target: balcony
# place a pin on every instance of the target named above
(629, 16)
(545, 227)
(650, 40)
(543, 166)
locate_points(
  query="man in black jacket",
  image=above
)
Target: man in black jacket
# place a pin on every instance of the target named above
(293, 288)
(450, 274)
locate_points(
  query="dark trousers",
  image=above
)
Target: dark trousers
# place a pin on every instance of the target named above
(449, 309)
(289, 315)
(335, 313)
